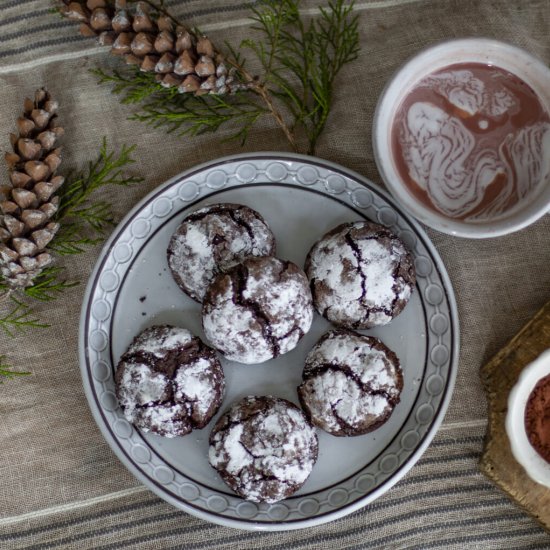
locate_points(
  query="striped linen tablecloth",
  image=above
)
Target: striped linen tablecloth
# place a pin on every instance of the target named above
(61, 485)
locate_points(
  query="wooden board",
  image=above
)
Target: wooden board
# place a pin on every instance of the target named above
(498, 377)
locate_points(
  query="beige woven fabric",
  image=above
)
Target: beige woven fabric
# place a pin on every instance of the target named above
(61, 486)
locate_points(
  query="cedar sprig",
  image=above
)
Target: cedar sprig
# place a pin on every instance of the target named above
(107, 169)
(301, 61)
(183, 114)
(136, 86)
(85, 220)
(202, 116)
(19, 317)
(300, 58)
(7, 372)
(48, 285)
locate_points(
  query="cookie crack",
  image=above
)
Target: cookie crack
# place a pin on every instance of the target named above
(239, 280)
(232, 423)
(198, 216)
(151, 404)
(344, 426)
(241, 223)
(349, 373)
(248, 451)
(285, 265)
(151, 361)
(359, 257)
(395, 287)
(395, 274)
(294, 328)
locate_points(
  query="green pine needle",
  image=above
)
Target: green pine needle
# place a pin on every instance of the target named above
(202, 115)
(302, 60)
(184, 114)
(84, 220)
(108, 169)
(135, 86)
(7, 372)
(18, 318)
(48, 285)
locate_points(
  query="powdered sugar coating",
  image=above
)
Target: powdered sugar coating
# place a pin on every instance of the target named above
(264, 448)
(168, 382)
(258, 310)
(351, 383)
(160, 342)
(361, 275)
(214, 239)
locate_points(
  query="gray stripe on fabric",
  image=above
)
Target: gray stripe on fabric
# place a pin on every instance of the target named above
(406, 482)
(483, 486)
(78, 37)
(14, 3)
(59, 25)
(221, 9)
(474, 538)
(440, 459)
(490, 537)
(382, 541)
(369, 528)
(413, 479)
(52, 42)
(91, 517)
(23, 17)
(452, 441)
(190, 14)
(109, 530)
(381, 506)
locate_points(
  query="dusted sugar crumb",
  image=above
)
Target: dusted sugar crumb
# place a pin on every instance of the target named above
(264, 448)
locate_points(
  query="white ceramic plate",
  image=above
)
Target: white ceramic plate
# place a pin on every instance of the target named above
(301, 198)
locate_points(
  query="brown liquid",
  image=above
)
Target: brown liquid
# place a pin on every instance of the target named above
(471, 141)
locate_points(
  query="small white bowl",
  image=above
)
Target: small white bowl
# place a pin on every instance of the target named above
(470, 50)
(536, 467)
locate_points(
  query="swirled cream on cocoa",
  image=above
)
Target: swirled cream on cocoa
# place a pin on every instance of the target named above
(472, 141)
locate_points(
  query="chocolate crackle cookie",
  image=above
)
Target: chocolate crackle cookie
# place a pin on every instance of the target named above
(168, 382)
(213, 239)
(361, 275)
(257, 310)
(264, 448)
(351, 383)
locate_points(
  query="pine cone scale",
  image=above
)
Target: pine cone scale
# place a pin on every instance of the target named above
(123, 43)
(25, 126)
(28, 148)
(121, 22)
(164, 42)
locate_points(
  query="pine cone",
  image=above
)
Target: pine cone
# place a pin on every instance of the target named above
(177, 56)
(28, 205)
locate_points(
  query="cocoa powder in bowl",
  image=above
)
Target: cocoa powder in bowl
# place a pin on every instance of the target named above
(537, 418)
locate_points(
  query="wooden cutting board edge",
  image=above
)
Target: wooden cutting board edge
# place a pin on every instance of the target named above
(498, 377)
